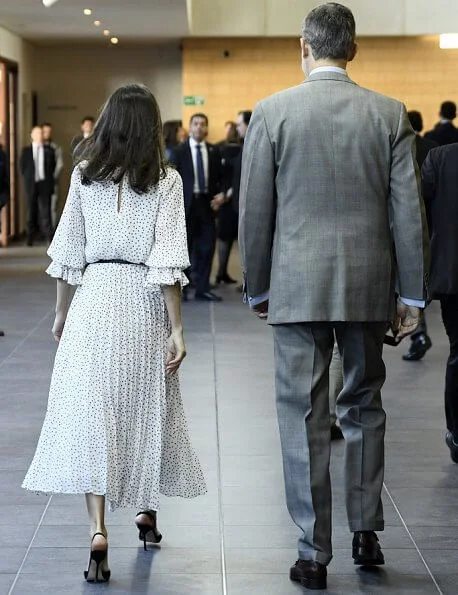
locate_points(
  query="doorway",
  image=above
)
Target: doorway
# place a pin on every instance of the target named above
(8, 140)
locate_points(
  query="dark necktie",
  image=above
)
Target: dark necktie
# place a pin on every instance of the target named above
(200, 170)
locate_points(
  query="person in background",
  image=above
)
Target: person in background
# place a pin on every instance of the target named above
(445, 133)
(87, 125)
(318, 258)
(48, 141)
(230, 134)
(37, 165)
(182, 134)
(227, 223)
(420, 340)
(199, 165)
(170, 131)
(4, 189)
(440, 191)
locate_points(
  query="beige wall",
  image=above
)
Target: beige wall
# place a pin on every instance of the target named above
(17, 50)
(240, 18)
(412, 69)
(72, 82)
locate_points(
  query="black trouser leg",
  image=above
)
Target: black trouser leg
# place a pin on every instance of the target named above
(449, 308)
(421, 329)
(204, 250)
(32, 210)
(44, 211)
(224, 251)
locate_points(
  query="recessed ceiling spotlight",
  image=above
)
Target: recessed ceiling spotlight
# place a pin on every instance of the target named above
(87, 12)
(106, 32)
(49, 3)
(97, 23)
(114, 40)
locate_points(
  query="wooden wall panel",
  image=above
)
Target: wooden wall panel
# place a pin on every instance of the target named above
(412, 69)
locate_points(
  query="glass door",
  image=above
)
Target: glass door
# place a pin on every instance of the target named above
(9, 216)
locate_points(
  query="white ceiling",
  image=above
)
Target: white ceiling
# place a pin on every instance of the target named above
(130, 20)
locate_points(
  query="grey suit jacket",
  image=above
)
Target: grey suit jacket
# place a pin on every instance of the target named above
(330, 205)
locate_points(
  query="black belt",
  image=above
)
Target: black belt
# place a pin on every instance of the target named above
(117, 261)
(200, 195)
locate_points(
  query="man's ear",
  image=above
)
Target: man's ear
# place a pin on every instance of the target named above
(304, 48)
(353, 52)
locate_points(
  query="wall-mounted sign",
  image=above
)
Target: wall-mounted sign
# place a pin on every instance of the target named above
(193, 100)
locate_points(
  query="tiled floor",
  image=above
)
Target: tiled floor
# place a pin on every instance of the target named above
(238, 539)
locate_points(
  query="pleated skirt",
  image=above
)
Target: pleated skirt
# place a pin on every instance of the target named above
(115, 423)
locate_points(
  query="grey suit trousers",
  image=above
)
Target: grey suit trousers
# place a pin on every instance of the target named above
(303, 354)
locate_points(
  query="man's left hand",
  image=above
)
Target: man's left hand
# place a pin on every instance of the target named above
(217, 202)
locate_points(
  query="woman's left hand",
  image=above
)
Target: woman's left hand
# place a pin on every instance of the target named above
(58, 326)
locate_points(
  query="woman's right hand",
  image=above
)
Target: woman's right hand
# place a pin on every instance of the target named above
(58, 326)
(176, 352)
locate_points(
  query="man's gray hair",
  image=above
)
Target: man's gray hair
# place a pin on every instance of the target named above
(330, 31)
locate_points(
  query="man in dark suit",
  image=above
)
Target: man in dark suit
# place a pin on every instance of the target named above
(440, 190)
(420, 341)
(199, 165)
(87, 125)
(445, 133)
(37, 165)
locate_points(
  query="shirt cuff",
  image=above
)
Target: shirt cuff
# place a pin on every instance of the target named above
(416, 303)
(254, 301)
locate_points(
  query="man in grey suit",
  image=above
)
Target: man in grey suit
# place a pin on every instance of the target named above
(331, 219)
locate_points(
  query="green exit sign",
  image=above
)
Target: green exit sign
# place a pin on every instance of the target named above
(193, 100)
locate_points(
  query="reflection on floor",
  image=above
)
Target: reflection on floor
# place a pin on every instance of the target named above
(238, 539)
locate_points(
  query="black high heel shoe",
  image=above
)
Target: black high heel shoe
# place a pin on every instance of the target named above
(146, 532)
(95, 559)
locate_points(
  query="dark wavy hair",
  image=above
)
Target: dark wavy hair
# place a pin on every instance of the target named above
(170, 131)
(126, 141)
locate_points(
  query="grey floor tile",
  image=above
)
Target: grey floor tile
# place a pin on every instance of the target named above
(26, 515)
(435, 538)
(123, 536)
(120, 584)
(11, 557)
(448, 583)
(427, 506)
(19, 534)
(162, 560)
(265, 561)
(6, 580)
(380, 583)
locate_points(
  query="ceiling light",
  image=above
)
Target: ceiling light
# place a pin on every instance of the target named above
(448, 41)
(49, 3)
(106, 32)
(97, 23)
(114, 40)
(87, 12)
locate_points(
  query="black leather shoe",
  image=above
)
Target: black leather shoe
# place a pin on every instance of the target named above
(311, 575)
(2, 333)
(225, 279)
(418, 349)
(453, 446)
(336, 432)
(366, 549)
(208, 296)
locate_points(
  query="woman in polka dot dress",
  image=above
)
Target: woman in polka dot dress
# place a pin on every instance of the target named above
(115, 428)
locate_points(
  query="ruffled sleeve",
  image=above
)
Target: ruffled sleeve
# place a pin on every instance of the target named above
(169, 255)
(67, 249)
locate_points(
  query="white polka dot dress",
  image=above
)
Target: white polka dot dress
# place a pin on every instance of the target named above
(115, 423)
